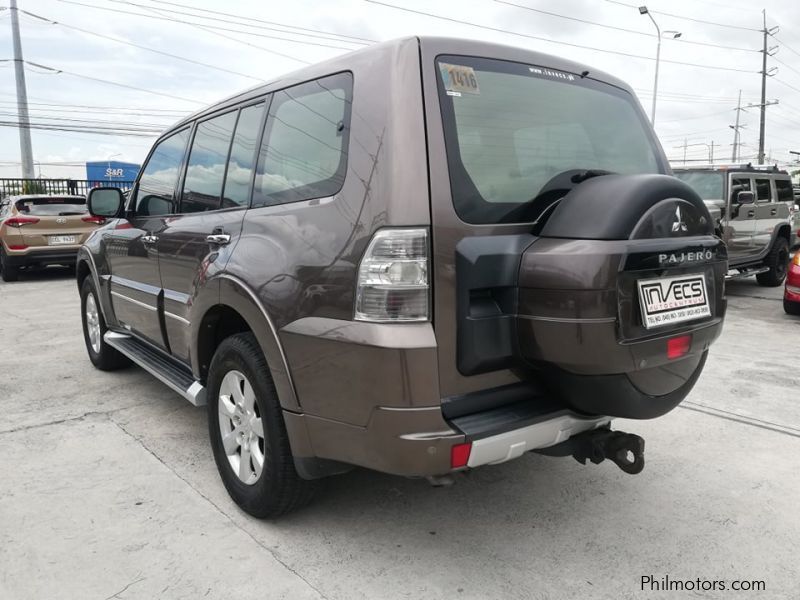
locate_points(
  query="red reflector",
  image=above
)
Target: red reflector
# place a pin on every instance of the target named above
(93, 219)
(459, 455)
(17, 246)
(678, 346)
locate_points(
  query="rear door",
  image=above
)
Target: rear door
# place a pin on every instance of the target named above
(197, 242)
(739, 229)
(501, 136)
(767, 213)
(131, 250)
(61, 222)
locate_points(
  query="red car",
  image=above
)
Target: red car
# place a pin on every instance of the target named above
(791, 293)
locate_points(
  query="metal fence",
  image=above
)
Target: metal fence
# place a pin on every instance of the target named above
(79, 187)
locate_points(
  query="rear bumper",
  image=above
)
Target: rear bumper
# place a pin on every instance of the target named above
(44, 256)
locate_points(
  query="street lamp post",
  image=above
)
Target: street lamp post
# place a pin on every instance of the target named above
(675, 35)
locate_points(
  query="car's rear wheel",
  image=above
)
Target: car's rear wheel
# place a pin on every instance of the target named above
(778, 262)
(103, 356)
(791, 308)
(248, 435)
(7, 272)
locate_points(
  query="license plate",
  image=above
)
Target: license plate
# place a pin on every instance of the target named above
(57, 240)
(669, 300)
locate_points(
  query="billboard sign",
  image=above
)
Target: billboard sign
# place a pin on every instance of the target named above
(111, 170)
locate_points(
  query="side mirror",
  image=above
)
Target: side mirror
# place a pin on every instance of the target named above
(745, 197)
(105, 202)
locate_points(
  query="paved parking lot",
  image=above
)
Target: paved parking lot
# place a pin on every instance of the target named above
(108, 489)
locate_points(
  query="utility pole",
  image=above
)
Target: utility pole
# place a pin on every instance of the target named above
(25, 147)
(764, 74)
(685, 146)
(711, 152)
(736, 128)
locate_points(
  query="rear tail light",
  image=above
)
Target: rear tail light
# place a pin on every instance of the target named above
(93, 219)
(459, 455)
(393, 277)
(19, 221)
(678, 346)
(796, 258)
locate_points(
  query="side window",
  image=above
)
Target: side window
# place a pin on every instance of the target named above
(304, 151)
(243, 151)
(784, 190)
(205, 169)
(156, 192)
(739, 185)
(762, 190)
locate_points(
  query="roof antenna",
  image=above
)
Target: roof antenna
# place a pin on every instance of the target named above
(584, 74)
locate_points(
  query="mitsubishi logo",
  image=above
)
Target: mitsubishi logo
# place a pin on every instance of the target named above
(679, 225)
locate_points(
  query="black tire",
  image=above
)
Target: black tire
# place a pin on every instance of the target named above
(108, 358)
(791, 308)
(6, 272)
(278, 489)
(778, 262)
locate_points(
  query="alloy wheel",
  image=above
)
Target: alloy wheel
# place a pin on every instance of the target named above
(241, 428)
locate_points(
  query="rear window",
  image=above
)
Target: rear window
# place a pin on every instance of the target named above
(512, 128)
(708, 185)
(52, 207)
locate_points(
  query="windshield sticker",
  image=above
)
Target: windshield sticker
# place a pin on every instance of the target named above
(551, 73)
(459, 78)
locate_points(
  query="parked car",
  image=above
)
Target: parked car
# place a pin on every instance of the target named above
(39, 230)
(752, 208)
(791, 291)
(412, 258)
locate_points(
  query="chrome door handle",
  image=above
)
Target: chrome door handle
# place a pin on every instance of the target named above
(218, 239)
(773, 212)
(751, 213)
(149, 239)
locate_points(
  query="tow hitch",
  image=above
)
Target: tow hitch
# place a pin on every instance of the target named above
(626, 450)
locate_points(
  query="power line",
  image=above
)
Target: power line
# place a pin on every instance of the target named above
(543, 39)
(250, 19)
(91, 130)
(616, 28)
(175, 20)
(134, 45)
(697, 117)
(666, 14)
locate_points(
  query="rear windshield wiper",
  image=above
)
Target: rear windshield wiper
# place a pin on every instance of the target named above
(588, 174)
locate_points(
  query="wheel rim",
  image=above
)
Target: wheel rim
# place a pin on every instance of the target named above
(240, 427)
(93, 323)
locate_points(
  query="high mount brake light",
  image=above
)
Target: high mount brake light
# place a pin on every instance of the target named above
(393, 277)
(19, 221)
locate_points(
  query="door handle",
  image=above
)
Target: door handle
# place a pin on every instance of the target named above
(773, 212)
(751, 213)
(218, 239)
(149, 239)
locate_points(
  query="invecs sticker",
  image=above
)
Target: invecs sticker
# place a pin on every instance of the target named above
(552, 73)
(459, 79)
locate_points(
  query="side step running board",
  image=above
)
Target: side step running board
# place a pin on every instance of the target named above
(745, 272)
(173, 375)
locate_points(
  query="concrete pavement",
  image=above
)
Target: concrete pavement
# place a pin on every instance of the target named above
(108, 489)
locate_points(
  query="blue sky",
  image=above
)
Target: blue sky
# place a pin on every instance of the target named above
(695, 103)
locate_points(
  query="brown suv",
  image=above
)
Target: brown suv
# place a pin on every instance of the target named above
(422, 257)
(39, 230)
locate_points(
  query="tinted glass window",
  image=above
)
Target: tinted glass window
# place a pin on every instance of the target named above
(156, 192)
(762, 190)
(739, 185)
(784, 189)
(511, 129)
(205, 169)
(304, 152)
(243, 151)
(53, 207)
(707, 184)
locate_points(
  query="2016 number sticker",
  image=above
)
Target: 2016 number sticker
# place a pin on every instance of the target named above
(459, 78)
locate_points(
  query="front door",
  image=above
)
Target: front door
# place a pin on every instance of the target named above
(739, 227)
(132, 250)
(196, 243)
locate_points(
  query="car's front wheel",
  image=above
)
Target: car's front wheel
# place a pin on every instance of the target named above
(778, 262)
(248, 435)
(102, 355)
(791, 308)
